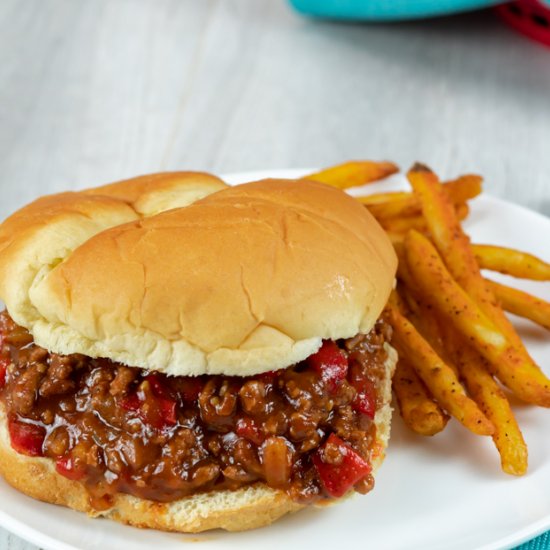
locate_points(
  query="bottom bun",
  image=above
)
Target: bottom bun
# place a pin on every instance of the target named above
(239, 510)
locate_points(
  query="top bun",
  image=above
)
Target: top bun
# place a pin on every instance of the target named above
(148, 273)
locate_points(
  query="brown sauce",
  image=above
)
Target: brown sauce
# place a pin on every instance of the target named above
(119, 429)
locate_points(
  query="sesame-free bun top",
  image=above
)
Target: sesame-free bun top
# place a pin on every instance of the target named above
(149, 273)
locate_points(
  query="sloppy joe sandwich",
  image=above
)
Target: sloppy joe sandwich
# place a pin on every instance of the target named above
(183, 355)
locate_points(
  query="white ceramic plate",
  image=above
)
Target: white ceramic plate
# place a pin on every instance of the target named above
(446, 492)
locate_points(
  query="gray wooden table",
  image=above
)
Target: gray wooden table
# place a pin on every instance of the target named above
(91, 92)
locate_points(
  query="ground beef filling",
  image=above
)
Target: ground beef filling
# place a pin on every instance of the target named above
(307, 429)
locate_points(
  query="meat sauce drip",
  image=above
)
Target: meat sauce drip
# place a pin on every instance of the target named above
(307, 429)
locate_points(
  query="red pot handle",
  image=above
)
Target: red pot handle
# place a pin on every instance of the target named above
(529, 17)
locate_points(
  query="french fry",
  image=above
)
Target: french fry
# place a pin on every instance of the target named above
(399, 204)
(354, 173)
(482, 387)
(395, 237)
(489, 396)
(522, 304)
(511, 262)
(413, 307)
(463, 188)
(454, 246)
(431, 276)
(449, 322)
(394, 207)
(424, 317)
(408, 305)
(487, 393)
(420, 413)
(406, 287)
(439, 378)
(404, 224)
(399, 197)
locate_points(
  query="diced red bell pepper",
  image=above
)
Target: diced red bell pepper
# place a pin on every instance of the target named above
(158, 387)
(365, 399)
(247, 428)
(67, 467)
(26, 438)
(157, 409)
(365, 403)
(168, 412)
(4, 363)
(337, 479)
(165, 402)
(130, 402)
(330, 363)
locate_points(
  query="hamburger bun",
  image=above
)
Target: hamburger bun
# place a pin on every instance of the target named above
(265, 271)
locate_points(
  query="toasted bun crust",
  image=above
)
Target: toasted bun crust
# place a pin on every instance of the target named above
(248, 508)
(248, 279)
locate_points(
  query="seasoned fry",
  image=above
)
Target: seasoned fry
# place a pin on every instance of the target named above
(487, 393)
(399, 204)
(463, 188)
(444, 227)
(522, 303)
(396, 205)
(448, 321)
(354, 173)
(439, 378)
(454, 247)
(424, 317)
(399, 197)
(431, 276)
(406, 287)
(511, 262)
(402, 225)
(418, 311)
(489, 396)
(472, 368)
(420, 413)
(407, 304)
(395, 238)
